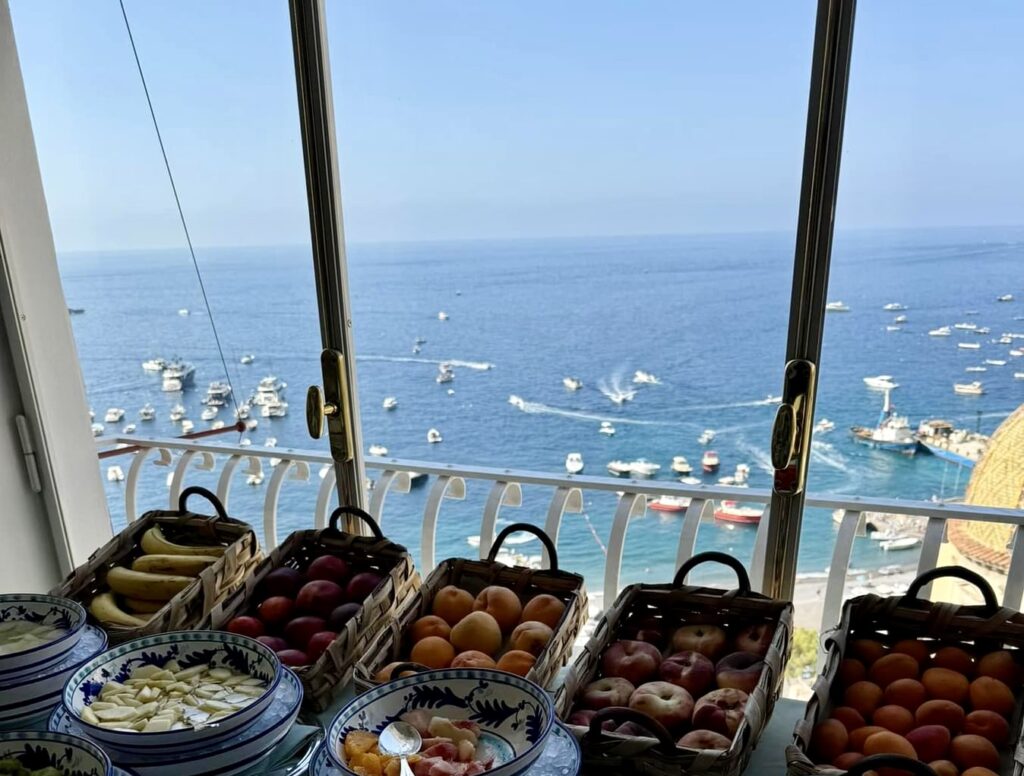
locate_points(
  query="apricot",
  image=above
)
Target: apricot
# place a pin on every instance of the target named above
(969, 751)
(864, 697)
(431, 625)
(895, 719)
(890, 668)
(851, 671)
(473, 659)
(384, 674)
(918, 650)
(860, 735)
(847, 760)
(544, 608)
(888, 743)
(452, 603)
(502, 604)
(851, 718)
(945, 684)
(944, 768)
(829, 739)
(477, 631)
(945, 713)
(955, 659)
(988, 724)
(990, 694)
(908, 693)
(1000, 665)
(867, 650)
(433, 652)
(531, 637)
(515, 661)
(979, 771)
(930, 741)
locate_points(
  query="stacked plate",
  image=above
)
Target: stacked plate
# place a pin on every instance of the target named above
(43, 641)
(231, 744)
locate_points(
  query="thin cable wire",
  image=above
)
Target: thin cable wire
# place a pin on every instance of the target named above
(177, 202)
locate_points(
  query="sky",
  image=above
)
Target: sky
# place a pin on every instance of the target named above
(528, 119)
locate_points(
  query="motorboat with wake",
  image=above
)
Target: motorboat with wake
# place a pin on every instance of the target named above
(645, 378)
(572, 383)
(707, 436)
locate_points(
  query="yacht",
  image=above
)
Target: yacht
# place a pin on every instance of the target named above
(823, 426)
(517, 402)
(154, 365)
(618, 468)
(891, 433)
(442, 316)
(269, 390)
(147, 413)
(183, 312)
(709, 462)
(669, 503)
(606, 428)
(444, 374)
(837, 307)
(900, 319)
(689, 480)
(218, 389)
(177, 375)
(707, 436)
(114, 415)
(572, 383)
(209, 413)
(969, 389)
(248, 358)
(128, 429)
(115, 474)
(177, 413)
(574, 463)
(187, 425)
(680, 465)
(645, 378)
(1005, 298)
(893, 307)
(881, 383)
(274, 409)
(995, 362)
(97, 429)
(378, 450)
(942, 331)
(644, 468)
(389, 403)
(976, 369)
(434, 436)
(968, 345)
(965, 326)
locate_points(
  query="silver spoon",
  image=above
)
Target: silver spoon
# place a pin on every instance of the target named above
(400, 739)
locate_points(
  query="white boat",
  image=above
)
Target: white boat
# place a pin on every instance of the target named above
(976, 369)
(154, 365)
(644, 468)
(209, 413)
(217, 424)
(995, 361)
(606, 428)
(217, 390)
(892, 432)
(680, 465)
(274, 409)
(245, 442)
(823, 426)
(183, 312)
(837, 307)
(688, 480)
(114, 415)
(147, 413)
(742, 473)
(1004, 340)
(129, 429)
(1018, 375)
(771, 399)
(942, 331)
(97, 429)
(983, 330)
(377, 450)
(1005, 298)
(248, 358)
(177, 375)
(269, 390)
(645, 378)
(574, 463)
(517, 402)
(881, 383)
(620, 396)
(115, 474)
(893, 328)
(669, 503)
(187, 425)
(242, 412)
(572, 383)
(389, 403)
(434, 436)
(900, 319)
(270, 442)
(968, 345)
(1017, 353)
(965, 326)
(969, 389)
(893, 307)
(444, 374)
(450, 392)
(900, 543)
(707, 436)
(727, 480)
(442, 316)
(254, 480)
(618, 467)
(177, 413)
(709, 462)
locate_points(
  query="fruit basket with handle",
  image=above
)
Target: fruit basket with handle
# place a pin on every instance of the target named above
(700, 668)
(939, 678)
(165, 571)
(375, 576)
(470, 587)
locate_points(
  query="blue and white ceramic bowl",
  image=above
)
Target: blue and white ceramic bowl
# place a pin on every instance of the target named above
(515, 716)
(61, 613)
(233, 755)
(69, 754)
(26, 696)
(188, 648)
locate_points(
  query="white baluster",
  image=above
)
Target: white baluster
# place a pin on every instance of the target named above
(132, 481)
(254, 468)
(446, 486)
(688, 533)
(630, 505)
(566, 499)
(390, 480)
(295, 470)
(503, 494)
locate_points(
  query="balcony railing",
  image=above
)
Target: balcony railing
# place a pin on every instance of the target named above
(505, 489)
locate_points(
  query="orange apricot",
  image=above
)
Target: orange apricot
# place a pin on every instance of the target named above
(945, 684)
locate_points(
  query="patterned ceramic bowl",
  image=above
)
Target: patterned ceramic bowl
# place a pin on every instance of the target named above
(188, 648)
(515, 716)
(68, 754)
(61, 613)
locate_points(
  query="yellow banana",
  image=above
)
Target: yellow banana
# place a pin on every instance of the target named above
(140, 606)
(155, 543)
(184, 565)
(142, 584)
(105, 609)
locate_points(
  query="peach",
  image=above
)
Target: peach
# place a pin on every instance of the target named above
(1000, 665)
(860, 735)
(755, 638)
(945, 713)
(690, 670)
(610, 691)
(945, 684)
(890, 668)
(709, 640)
(865, 697)
(895, 719)
(663, 702)
(867, 650)
(502, 604)
(916, 649)
(636, 661)
(740, 670)
(473, 659)
(531, 637)
(988, 724)
(544, 608)
(720, 711)
(969, 751)
(847, 760)
(944, 768)
(452, 603)
(930, 741)
(888, 743)
(908, 693)
(851, 718)
(988, 694)
(433, 652)
(851, 671)
(704, 739)
(977, 770)
(431, 625)
(955, 659)
(515, 661)
(477, 631)
(829, 740)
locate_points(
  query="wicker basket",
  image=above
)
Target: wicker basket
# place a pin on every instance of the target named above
(189, 606)
(474, 576)
(362, 553)
(674, 605)
(977, 628)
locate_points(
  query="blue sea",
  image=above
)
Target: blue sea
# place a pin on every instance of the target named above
(706, 314)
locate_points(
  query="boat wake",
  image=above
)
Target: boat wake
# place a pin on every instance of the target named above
(616, 391)
(481, 366)
(762, 460)
(828, 455)
(537, 408)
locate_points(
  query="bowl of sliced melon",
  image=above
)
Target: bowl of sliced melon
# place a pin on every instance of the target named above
(171, 691)
(36, 631)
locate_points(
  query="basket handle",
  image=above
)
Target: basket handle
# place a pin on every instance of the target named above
(195, 490)
(531, 529)
(960, 573)
(718, 557)
(890, 760)
(626, 714)
(366, 517)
